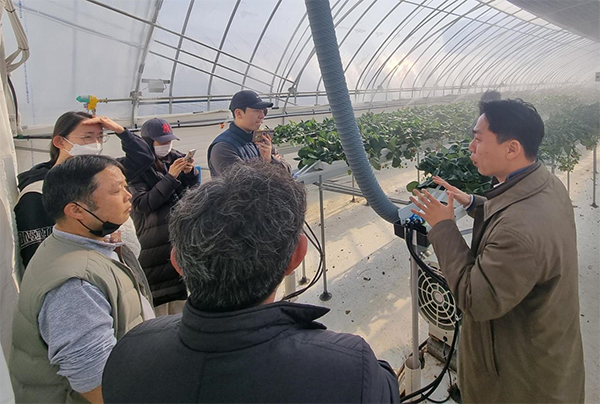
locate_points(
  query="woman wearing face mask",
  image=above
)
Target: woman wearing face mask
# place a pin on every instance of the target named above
(155, 192)
(75, 133)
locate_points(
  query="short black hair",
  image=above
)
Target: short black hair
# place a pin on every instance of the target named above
(73, 181)
(233, 112)
(515, 119)
(235, 235)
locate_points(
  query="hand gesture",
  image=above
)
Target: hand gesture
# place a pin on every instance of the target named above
(177, 166)
(461, 197)
(432, 210)
(106, 123)
(265, 147)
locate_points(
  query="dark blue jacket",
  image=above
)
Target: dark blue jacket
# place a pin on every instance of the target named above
(234, 145)
(275, 353)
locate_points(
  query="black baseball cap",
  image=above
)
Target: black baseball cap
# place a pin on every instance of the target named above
(248, 99)
(159, 130)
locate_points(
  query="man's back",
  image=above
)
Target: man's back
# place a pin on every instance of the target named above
(269, 353)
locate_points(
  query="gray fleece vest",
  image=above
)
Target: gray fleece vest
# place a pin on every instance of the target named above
(56, 261)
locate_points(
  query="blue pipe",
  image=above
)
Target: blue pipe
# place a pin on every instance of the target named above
(330, 62)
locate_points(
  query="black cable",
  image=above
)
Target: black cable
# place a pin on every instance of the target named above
(315, 242)
(14, 94)
(430, 271)
(431, 387)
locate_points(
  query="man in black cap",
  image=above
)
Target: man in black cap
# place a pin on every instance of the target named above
(236, 143)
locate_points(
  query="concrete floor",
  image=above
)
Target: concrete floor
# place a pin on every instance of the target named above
(368, 273)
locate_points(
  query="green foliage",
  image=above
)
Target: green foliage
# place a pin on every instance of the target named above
(394, 138)
(566, 128)
(389, 138)
(455, 166)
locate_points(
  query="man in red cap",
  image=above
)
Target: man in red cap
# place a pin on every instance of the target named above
(236, 143)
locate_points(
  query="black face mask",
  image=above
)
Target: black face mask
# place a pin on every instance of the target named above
(107, 227)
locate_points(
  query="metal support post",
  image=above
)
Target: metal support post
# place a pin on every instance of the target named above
(290, 283)
(353, 198)
(418, 172)
(594, 171)
(325, 295)
(569, 183)
(414, 365)
(304, 279)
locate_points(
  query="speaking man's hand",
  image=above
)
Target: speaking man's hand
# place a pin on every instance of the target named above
(432, 210)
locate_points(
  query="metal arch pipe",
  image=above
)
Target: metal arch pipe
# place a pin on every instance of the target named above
(223, 38)
(481, 53)
(259, 41)
(557, 57)
(591, 61)
(441, 31)
(422, 23)
(385, 43)
(198, 69)
(359, 19)
(530, 50)
(286, 49)
(505, 46)
(515, 38)
(170, 31)
(381, 21)
(330, 62)
(166, 45)
(142, 64)
(451, 50)
(306, 30)
(493, 53)
(461, 46)
(553, 40)
(183, 29)
(530, 61)
(312, 52)
(529, 54)
(548, 69)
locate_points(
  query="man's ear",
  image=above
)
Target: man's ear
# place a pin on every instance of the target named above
(174, 262)
(74, 211)
(514, 149)
(238, 113)
(298, 255)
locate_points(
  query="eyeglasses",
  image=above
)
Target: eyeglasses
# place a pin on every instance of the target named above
(89, 139)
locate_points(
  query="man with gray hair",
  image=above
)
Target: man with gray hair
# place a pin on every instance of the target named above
(234, 239)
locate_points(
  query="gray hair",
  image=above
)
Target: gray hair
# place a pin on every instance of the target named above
(234, 236)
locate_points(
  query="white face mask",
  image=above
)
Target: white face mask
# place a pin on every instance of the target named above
(85, 149)
(162, 150)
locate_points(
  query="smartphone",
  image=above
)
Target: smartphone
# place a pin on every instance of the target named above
(190, 155)
(259, 135)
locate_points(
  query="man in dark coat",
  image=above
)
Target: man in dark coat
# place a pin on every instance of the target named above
(234, 239)
(518, 283)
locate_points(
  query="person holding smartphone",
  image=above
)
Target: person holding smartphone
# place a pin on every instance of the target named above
(244, 140)
(155, 191)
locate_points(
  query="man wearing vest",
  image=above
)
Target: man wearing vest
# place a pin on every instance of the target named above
(79, 294)
(236, 143)
(234, 343)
